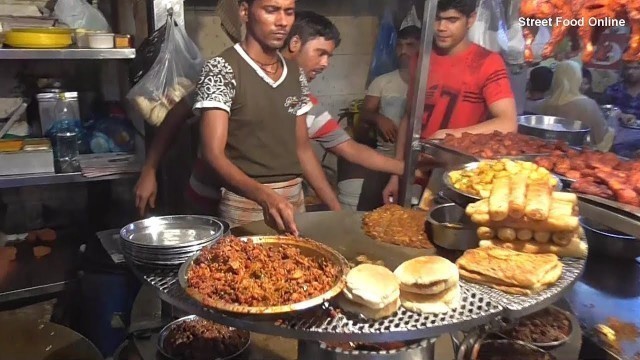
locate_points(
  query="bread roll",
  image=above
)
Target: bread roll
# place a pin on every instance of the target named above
(499, 199)
(506, 234)
(561, 223)
(562, 238)
(538, 200)
(565, 196)
(369, 313)
(485, 233)
(517, 195)
(371, 285)
(524, 234)
(542, 236)
(561, 208)
(427, 275)
(431, 304)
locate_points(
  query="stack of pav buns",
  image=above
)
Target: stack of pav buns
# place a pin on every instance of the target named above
(428, 285)
(372, 291)
(528, 216)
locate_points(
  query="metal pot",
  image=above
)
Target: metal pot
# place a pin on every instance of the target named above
(448, 226)
(603, 241)
(554, 128)
(472, 346)
(416, 350)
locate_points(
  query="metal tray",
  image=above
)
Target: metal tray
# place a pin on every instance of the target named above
(462, 198)
(440, 151)
(553, 128)
(618, 216)
(172, 231)
(162, 336)
(307, 247)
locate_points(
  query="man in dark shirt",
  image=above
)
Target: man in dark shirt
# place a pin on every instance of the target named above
(254, 134)
(625, 94)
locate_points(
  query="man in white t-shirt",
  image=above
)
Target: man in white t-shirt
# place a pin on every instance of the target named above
(383, 108)
(386, 97)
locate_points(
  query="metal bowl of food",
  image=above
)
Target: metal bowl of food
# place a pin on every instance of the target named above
(547, 328)
(574, 132)
(191, 337)
(314, 274)
(485, 349)
(448, 226)
(605, 241)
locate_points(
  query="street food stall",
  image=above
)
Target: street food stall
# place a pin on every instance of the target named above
(516, 266)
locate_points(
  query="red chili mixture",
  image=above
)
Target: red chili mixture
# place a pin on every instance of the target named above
(248, 274)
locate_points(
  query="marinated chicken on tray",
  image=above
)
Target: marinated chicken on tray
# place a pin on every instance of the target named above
(599, 174)
(498, 144)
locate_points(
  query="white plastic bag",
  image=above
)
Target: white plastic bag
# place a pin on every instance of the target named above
(490, 29)
(411, 19)
(514, 54)
(78, 14)
(172, 76)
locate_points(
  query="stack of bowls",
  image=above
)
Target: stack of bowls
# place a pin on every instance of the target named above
(169, 240)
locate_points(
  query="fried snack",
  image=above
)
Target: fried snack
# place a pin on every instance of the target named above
(556, 224)
(485, 233)
(510, 271)
(575, 248)
(538, 200)
(499, 199)
(517, 195)
(41, 251)
(562, 238)
(396, 225)
(561, 208)
(565, 197)
(8, 253)
(524, 234)
(542, 236)
(506, 234)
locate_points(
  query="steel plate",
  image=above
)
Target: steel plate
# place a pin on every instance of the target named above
(173, 231)
(165, 331)
(306, 247)
(574, 327)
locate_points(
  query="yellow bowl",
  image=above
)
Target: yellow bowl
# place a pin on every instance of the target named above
(37, 40)
(49, 30)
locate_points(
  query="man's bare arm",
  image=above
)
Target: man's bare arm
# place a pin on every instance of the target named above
(503, 119)
(367, 157)
(311, 168)
(370, 114)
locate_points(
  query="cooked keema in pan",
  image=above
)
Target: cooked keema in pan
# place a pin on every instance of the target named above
(397, 225)
(428, 284)
(510, 271)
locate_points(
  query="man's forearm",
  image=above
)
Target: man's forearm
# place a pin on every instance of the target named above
(486, 127)
(312, 171)
(167, 134)
(365, 156)
(236, 180)
(402, 139)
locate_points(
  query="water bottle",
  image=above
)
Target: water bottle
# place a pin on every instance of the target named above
(65, 131)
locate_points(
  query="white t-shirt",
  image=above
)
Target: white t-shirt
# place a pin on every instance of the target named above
(392, 91)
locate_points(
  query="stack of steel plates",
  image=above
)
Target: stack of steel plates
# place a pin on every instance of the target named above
(169, 240)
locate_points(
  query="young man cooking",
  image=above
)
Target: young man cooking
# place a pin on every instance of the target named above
(253, 104)
(311, 43)
(468, 88)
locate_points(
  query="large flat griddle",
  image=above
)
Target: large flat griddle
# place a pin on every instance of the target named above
(341, 230)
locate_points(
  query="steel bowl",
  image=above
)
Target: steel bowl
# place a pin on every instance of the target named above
(572, 330)
(605, 241)
(574, 132)
(162, 337)
(448, 226)
(307, 247)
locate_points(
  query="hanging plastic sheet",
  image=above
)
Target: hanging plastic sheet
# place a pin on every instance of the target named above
(384, 56)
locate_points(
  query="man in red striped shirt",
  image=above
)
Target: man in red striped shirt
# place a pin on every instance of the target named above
(311, 43)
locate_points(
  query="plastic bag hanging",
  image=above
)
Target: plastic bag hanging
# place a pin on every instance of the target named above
(171, 77)
(490, 28)
(78, 14)
(384, 56)
(411, 19)
(514, 53)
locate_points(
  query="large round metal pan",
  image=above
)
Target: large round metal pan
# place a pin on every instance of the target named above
(162, 336)
(307, 248)
(462, 198)
(554, 128)
(173, 231)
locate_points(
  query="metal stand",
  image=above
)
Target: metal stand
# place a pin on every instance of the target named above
(414, 125)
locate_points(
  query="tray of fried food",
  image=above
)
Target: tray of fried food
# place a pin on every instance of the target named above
(477, 178)
(528, 216)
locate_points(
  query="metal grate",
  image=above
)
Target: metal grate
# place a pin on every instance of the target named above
(516, 306)
(328, 324)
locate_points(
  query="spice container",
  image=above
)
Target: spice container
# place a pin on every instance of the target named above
(122, 41)
(101, 40)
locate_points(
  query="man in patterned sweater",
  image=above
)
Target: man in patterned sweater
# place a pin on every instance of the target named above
(311, 43)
